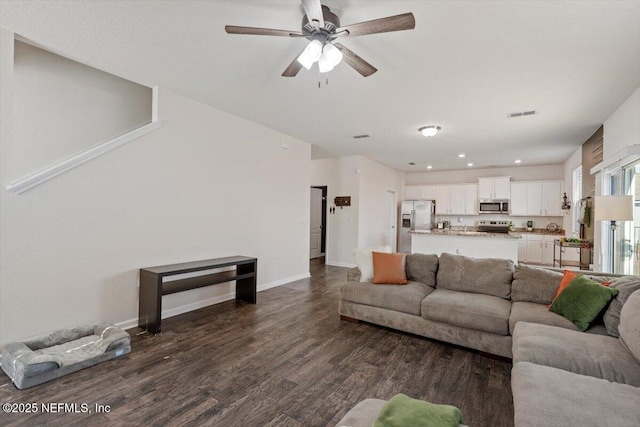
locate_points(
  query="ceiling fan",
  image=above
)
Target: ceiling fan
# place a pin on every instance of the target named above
(322, 28)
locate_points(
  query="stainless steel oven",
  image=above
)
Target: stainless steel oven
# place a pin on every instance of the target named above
(493, 206)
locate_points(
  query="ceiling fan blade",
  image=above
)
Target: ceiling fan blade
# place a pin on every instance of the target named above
(406, 21)
(357, 63)
(234, 29)
(313, 10)
(293, 68)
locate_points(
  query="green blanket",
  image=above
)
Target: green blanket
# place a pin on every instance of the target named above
(403, 411)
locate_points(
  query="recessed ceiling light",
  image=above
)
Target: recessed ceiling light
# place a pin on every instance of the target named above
(469, 164)
(461, 155)
(517, 161)
(429, 167)
(429, 130)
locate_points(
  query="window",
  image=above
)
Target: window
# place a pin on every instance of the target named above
(577, 195)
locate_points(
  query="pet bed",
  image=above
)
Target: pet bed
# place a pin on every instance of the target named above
(46, 357)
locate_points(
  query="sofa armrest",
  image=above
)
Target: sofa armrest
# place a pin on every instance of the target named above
(353, 274)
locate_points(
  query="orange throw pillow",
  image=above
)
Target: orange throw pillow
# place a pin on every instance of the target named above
(389, 269)
(568, 277)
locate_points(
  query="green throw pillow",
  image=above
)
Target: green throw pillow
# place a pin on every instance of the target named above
(582, 300)
(403, 411)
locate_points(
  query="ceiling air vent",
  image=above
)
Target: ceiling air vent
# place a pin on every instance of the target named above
(364, 135)
(522, 113)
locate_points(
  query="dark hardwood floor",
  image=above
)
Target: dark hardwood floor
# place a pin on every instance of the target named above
(287, 361)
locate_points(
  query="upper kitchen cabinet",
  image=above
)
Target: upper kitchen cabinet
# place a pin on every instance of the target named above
(420, 192)
(428, 192)
(552, 198)
(471, 199)
(412, 192)
(494, 188)
(458, 199)
(536, 198)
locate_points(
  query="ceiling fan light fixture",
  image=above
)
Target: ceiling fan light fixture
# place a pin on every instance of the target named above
(332, 53)
(310, 54)
(429, 131)
(305, 60)
(324, 64)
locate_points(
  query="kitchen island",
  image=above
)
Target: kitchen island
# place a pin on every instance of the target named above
(468, 243)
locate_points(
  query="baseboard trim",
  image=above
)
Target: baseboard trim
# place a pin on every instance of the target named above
(277, 283)
(132, 323)
(340, 264)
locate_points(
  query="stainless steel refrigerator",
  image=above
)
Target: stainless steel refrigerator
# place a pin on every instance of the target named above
(415, 215)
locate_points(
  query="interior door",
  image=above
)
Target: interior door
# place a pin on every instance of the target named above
(315, 240)
(391, 220)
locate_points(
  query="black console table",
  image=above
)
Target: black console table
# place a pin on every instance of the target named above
(152, 286)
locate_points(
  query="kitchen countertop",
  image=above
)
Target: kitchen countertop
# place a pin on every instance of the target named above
(462, 233)
(559, 233)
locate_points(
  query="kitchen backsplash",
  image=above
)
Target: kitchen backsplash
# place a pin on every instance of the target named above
(518, 221)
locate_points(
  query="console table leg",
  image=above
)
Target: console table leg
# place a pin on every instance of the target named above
(150, 304)
(246, 288)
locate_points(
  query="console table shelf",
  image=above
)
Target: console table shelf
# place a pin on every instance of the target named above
(585, 254)
(153, 287)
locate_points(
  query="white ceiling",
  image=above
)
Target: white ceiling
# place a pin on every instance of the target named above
(465, 66)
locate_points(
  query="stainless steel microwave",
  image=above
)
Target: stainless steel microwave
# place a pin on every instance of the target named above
(493, 206)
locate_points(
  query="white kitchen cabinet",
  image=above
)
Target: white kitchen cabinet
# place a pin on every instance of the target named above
(457, 203)
(428, 192)
(460, 199)
(420, 192)
(443, 199)
(540, 198)
(534, 249)
(547, 249)
(552, 198)
(494, 187)
(534, 199)
(470, 199)
(522, 249)
(412, 192)
(518, 199)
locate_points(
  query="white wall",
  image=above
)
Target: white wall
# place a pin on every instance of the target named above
(622, 128)
(206, 184)
(362, 223)
(572, 162)
(61, 108)
(520, 173)
(375, 180)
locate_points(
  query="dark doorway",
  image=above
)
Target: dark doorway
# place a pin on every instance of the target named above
(323, 236)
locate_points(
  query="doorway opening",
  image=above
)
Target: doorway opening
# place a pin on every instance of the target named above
(318, 223)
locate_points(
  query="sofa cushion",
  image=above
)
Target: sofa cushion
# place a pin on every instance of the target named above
(545, 396)
(531, 284)
(586, 354)
(626, 285)
(630, 324)
(489, 276)
(537, 313)
(389, 269)
(422, 268)
(582, 301)
(405, 299)
(468, 310)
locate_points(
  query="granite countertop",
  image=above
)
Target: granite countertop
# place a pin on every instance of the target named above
(462, 233)
(559, 232)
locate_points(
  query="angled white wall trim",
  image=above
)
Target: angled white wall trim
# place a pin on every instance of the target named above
(32, 180)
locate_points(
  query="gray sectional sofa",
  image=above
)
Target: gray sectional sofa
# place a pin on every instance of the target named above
(561, 376)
